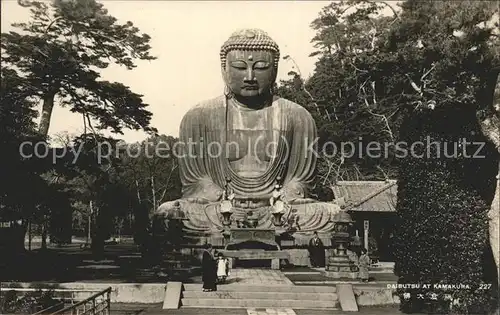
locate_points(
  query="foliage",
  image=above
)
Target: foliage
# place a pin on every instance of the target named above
(27, 303)
(96, 169)
(448, 54)
(151, 170)
(401, 78)
(92, 179)
(451, 52)
(55, 58)
(375, 69)
(24, 192)
(442, 231)
(348, 96)
(59, 52)
(151, 175)
(21, 185)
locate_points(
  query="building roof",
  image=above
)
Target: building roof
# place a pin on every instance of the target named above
(373, 196)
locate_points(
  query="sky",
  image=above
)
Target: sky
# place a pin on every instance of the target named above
(186, 37)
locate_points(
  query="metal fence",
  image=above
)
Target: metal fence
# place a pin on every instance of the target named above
(97, 304)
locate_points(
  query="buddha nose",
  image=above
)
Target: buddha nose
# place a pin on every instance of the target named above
(250, 75)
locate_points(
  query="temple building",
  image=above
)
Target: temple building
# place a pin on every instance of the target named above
(373, 202)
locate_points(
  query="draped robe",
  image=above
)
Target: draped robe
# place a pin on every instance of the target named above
(204, 165)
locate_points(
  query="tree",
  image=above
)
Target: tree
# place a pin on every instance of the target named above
(448, 53)
(56, 58)
(58, 55)
(22, 185)
(150, 171)
(442, 230)
(347, 93)
(406, 77)
(94, 179)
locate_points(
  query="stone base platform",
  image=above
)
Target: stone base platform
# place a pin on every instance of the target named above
(259, 277)
(296, 256)
(249, 254)
(296, 240)
(243, 284)
(340, 274)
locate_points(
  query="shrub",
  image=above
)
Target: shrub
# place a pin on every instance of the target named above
(442, 230)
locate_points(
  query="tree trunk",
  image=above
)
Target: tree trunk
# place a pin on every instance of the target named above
(137, 190)
(89, 235)
(29, 235)
(493, 215)
(490, 126)
(47, 108)
(44, 236)
(491, 129)
(98, 237)
(43, 130)
(153, 192)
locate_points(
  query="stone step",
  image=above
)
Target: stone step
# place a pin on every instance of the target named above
(258, 303)
(388, 271)
(185, 270)
(256, 254)
(261, 295)
(179, 259)
(264, 288)
(175, 263)
(381, 268)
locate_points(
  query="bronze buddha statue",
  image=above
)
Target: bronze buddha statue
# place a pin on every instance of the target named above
(248, 139)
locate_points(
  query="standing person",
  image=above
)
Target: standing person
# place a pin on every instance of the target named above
(364, 264)
(222, 268)
(316, 251)
(209, 269)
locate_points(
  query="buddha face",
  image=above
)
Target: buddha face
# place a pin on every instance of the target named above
(249, 73)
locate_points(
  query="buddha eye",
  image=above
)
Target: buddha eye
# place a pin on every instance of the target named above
(261, 65)
(239, 65)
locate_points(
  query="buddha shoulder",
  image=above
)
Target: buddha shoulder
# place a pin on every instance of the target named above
(294, 109)
(204, 107)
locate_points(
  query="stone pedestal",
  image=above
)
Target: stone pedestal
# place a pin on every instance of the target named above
(244, 235)
(275, 263)
(340, 274)
(340, 266)
(248, 254)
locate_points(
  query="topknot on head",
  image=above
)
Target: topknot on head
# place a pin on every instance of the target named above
(249, 39)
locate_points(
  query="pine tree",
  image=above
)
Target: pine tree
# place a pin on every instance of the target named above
(59, 52)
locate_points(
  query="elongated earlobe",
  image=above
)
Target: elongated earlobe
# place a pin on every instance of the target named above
(227, 91)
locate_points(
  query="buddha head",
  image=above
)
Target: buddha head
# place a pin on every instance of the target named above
(249, 60)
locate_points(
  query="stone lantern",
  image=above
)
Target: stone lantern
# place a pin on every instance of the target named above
(277, 219)
(251, 220)
(339, 265)
(226, 212)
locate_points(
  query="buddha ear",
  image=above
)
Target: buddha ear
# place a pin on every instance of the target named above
(223, 71)
(225, 77)
(275, 75)
(275, 68)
